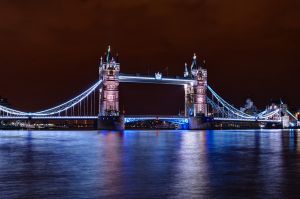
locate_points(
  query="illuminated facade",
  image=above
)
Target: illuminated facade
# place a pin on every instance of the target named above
(195, 93)
(82, 107)
(109, 93)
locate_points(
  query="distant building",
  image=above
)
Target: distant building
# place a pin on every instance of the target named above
(249, 107)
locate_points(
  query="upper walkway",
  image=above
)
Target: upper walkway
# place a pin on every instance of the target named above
(154, 79)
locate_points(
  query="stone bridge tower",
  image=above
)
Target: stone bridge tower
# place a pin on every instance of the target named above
(109, 112)
(195, 93)
(109, 93)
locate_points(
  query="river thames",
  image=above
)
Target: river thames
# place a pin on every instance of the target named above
(150, 164)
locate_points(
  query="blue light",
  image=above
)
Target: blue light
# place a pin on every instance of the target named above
(232, 113)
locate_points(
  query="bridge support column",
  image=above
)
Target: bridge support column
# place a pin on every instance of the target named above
(111, 123)
(109, 113)
(195, 93)
(199, 123)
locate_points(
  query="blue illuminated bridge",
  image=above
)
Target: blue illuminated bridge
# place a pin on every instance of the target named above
(202, 104)
(82, 106)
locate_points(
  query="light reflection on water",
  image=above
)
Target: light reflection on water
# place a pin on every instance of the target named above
(150, 164)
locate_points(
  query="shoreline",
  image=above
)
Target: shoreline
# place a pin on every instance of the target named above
(145, 129)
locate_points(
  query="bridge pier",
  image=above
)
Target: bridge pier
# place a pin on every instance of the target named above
(197, 123)
(111, 123)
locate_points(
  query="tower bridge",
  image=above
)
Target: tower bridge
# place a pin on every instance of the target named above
(203, 106)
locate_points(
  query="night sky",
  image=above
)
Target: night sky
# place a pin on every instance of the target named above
(49, 50)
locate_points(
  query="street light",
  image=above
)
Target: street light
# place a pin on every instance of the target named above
(297, 115)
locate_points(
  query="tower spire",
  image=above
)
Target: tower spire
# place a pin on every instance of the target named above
(186, 72)
(101, 61)
(108, 54)
(194, 62)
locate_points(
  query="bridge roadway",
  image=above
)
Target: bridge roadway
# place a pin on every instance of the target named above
(134, 118)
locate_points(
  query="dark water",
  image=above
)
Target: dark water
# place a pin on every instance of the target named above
(150, 164)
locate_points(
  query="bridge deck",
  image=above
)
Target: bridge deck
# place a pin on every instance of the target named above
(132, 118)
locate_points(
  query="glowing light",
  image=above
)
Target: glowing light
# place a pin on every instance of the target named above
(228, 106)
(143, 79)
(235, 114)
(158, 76)
(176, 120)
(54, 110)
(70, 103)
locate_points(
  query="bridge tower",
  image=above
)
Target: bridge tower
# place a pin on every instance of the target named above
(195, 93)
(109, 93)
(109, 112)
